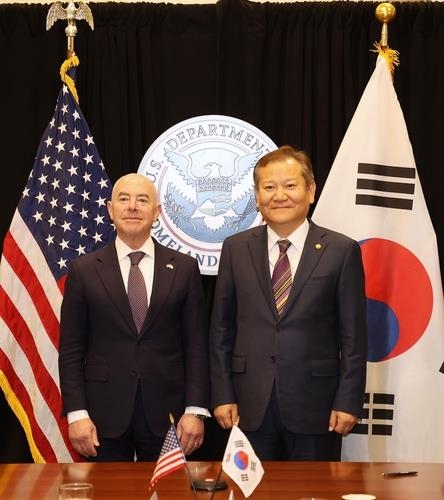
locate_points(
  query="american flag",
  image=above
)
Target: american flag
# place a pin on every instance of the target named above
(61, 215)
(171, 456)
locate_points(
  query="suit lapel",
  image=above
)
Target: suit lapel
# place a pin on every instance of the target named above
(314, 247)
(109, 273)
(165, 269)
(164, 274)
(258, 247)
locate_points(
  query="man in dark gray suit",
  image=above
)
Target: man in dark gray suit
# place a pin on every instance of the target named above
(120, 383)
(292, 371)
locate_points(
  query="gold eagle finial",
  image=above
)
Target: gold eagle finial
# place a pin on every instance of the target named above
(72, 14)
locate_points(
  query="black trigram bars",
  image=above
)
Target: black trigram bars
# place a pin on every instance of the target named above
(377, 415)
(373, 177)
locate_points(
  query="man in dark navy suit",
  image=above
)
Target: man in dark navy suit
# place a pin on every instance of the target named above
(119, 383)
(289, 359)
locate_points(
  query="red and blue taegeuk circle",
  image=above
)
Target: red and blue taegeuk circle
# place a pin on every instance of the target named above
(399, 298)
(241, 460)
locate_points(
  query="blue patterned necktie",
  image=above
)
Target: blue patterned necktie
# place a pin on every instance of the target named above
(281, 279)
(137, 295)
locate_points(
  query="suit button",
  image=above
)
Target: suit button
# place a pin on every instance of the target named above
(134, 373)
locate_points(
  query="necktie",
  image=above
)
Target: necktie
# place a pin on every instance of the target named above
(282, 279)
(137, 295)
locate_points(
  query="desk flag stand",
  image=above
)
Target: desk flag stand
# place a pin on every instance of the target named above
(172, 458)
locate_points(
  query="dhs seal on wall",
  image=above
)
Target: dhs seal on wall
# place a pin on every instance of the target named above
(203, 172)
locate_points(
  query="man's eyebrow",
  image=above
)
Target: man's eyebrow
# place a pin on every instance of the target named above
(140, 195)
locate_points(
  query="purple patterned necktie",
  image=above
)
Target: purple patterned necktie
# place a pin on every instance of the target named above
(282, 279)
(137, 295)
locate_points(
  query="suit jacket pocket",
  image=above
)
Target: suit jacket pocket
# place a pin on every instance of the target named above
(239, 364)
(96, 373)
(325, 368)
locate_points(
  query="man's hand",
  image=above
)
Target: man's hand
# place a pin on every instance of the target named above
(190, 431)
(227, 415)
(341, 422)
(83, 437)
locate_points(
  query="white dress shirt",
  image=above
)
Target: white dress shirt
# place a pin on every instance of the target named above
(296, 238)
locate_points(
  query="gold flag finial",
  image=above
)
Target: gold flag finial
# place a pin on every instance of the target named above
(72, 14)
(385, 12)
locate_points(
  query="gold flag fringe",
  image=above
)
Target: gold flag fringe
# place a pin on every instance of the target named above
(20, 413)
(71, 62)
(391, 56)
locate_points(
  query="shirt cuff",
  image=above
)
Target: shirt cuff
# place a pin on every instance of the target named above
(74, 416)
(197, 410)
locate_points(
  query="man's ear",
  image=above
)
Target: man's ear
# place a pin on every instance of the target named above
(312, 189)
(110, 209)
(159, 210)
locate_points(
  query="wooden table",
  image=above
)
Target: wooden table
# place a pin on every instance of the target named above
(281, 481)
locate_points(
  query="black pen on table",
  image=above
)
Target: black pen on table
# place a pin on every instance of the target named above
(400, 473)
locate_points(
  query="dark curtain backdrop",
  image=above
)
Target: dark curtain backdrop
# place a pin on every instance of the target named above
(296, 71)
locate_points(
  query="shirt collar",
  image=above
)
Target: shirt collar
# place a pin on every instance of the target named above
(297, 237)
(123, 249)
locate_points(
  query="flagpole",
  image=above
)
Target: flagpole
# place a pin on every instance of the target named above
(37, 254)
(190, 478)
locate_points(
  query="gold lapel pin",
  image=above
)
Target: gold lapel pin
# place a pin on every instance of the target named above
(170, 266)
(318, 246)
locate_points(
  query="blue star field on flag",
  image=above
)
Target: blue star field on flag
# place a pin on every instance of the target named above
(64, 201)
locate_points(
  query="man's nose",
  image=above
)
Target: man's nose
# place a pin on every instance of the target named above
(280, 193)
(132, 204)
